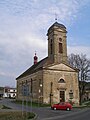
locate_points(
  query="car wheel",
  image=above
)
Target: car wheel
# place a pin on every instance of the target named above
(54, 108)
(68, 109)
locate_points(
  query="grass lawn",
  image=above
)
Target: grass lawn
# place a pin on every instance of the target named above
(87, 103)
(5, 107)
(34, 104)
(16, 115)
(84, 105)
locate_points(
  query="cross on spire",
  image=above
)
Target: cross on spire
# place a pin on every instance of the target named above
(55, 17)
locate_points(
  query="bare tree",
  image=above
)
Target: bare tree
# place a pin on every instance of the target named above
(83, 64)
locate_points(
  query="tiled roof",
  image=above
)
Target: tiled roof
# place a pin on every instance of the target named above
(44, 62)
(34, 68)
(58, 25)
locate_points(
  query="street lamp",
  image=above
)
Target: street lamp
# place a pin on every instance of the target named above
(40, 85)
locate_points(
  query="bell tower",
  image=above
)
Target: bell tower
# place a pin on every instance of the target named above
(57, 46)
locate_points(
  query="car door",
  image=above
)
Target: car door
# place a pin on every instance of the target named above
(58, 106)
(62, 106)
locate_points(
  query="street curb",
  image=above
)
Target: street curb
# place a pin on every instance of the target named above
(34, 117)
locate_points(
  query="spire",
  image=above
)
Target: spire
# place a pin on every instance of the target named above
(35, 58)
(55, 17)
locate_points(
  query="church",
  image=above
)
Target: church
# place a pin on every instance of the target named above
(52, 79)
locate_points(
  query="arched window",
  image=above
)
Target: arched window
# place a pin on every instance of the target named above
(60, 48)
(71, 94)
(60, 39)
(61, 81)
(51, 46)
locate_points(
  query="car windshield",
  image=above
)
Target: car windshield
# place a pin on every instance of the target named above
(62, 103)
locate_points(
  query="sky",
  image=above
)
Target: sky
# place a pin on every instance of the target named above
(23, 29)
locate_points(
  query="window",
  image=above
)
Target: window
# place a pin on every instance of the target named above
(61, 81)
(71, 94)
(51, 46)
(60, 48)
(60, 39)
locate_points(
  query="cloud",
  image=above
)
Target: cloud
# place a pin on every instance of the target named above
(79, 50)
(23, 28)
(39, 11)
(7, 74)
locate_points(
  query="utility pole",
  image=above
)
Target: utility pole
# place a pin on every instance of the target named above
(51, 94)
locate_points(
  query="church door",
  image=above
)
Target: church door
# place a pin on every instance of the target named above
(62, 96)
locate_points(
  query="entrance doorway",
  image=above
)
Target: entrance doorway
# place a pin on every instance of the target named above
(62, 96)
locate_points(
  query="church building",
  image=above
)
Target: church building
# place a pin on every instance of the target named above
(52, 79)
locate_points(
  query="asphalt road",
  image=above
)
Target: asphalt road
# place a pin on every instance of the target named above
(46, 113)
(79, 115)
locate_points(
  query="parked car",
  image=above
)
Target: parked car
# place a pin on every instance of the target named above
(62, 106)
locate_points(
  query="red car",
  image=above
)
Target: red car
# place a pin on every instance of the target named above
(62, 106)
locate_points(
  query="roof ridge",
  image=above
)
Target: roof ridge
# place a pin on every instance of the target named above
(32, 68)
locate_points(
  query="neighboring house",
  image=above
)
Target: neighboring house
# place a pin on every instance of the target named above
(9, 92)
(1, 92)
(86, 95)
(52, 79)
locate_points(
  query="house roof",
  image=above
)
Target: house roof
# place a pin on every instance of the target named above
(57, 25)
(34, 68)
(43, 63)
